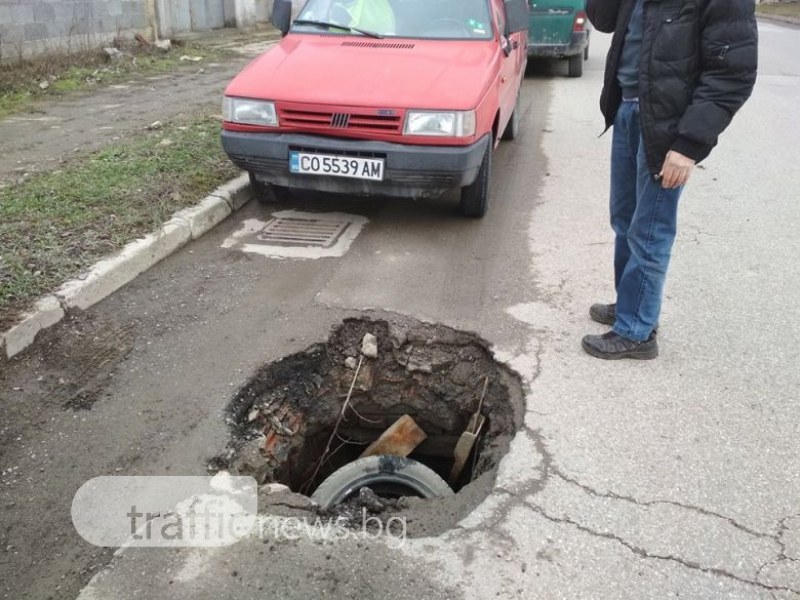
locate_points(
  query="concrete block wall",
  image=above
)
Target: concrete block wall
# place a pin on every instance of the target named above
(34, 27)
(30, 27)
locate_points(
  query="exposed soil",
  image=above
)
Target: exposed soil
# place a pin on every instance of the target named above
(283, 419)
(81, 355)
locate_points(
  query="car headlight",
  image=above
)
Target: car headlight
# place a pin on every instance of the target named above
(446, 124)
(249, 112)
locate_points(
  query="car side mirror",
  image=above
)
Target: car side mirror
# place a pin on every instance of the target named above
(281, 15)
(517, 16)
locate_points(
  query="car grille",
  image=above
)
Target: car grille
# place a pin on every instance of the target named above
(338, 120)
(258, 163)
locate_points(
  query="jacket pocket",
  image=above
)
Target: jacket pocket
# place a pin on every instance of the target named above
(680, 12)
(730, 55)
(676, 34)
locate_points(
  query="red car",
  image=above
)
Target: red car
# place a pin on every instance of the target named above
(381, 97)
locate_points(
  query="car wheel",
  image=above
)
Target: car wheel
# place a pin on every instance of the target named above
(576, 65)
(586, 52)
(512, 128)
(475, 197)
(264, 192)
(387, 475)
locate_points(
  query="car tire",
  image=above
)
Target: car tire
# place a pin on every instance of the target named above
(512, 128)
(576, 65)
(396, 473)
(264, 192)
(475, 197)
(586, 52)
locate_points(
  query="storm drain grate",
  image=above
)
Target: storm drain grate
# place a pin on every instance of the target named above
(314, 233)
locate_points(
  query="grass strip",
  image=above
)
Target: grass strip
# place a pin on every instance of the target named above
(55, 225)
(781, 9)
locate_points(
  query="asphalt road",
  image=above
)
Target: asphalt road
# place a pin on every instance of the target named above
(672, 478)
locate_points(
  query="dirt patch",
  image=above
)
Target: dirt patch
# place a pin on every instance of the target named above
(284, 419)
(82, 356)
(25, 81)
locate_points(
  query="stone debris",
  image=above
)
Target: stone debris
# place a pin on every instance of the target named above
(163, 45)
(165, 142)
(274, 488)
(187, 58)
(418, 365)
(250, 461)
(369, 346)
(155, 125)
(370, 500)
(365, 379)
(281, 427)
(44, 85)
(114, 54)
(351, 363)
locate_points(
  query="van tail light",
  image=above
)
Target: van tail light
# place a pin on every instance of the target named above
(580, 22)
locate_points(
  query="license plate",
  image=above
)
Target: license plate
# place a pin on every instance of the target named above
(337, 166)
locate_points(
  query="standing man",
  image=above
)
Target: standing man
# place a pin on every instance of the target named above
(676, 73)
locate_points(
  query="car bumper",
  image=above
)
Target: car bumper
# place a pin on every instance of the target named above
(409, 171)
(577, 44)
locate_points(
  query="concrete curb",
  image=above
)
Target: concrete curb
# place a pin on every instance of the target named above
(110, 274)
(46, 312)
(778, 18)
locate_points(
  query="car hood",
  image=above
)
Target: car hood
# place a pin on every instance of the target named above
(359, 71)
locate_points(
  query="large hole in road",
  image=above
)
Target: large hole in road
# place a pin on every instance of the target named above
(288, 423)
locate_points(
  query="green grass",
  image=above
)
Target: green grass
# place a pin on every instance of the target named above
(54, 225)
(783, 9)
(22, 83)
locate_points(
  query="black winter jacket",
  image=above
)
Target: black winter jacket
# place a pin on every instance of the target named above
(698, 66)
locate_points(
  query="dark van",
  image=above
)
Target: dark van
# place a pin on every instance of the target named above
(559, 29)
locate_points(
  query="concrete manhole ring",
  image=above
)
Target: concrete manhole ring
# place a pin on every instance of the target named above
(388, 475)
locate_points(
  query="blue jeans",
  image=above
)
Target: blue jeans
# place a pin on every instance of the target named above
(644, 218)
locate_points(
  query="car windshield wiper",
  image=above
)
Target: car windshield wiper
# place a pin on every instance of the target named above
(326, 25)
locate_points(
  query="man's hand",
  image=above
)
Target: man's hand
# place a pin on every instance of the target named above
(676, 170)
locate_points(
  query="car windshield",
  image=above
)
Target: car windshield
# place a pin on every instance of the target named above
(432, 19)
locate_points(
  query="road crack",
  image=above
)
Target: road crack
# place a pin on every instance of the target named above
(648, 503)
(643, 553)
(549, 469)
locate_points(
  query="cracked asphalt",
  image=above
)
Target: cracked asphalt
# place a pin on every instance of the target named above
(666, 479)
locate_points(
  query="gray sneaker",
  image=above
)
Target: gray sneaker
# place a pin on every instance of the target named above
(611, 346)
(603, 313)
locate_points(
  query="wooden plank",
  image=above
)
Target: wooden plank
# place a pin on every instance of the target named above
(399, 440)
(433, 445)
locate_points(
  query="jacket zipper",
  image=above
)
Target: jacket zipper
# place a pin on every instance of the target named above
(619, 52)
(642, 119)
